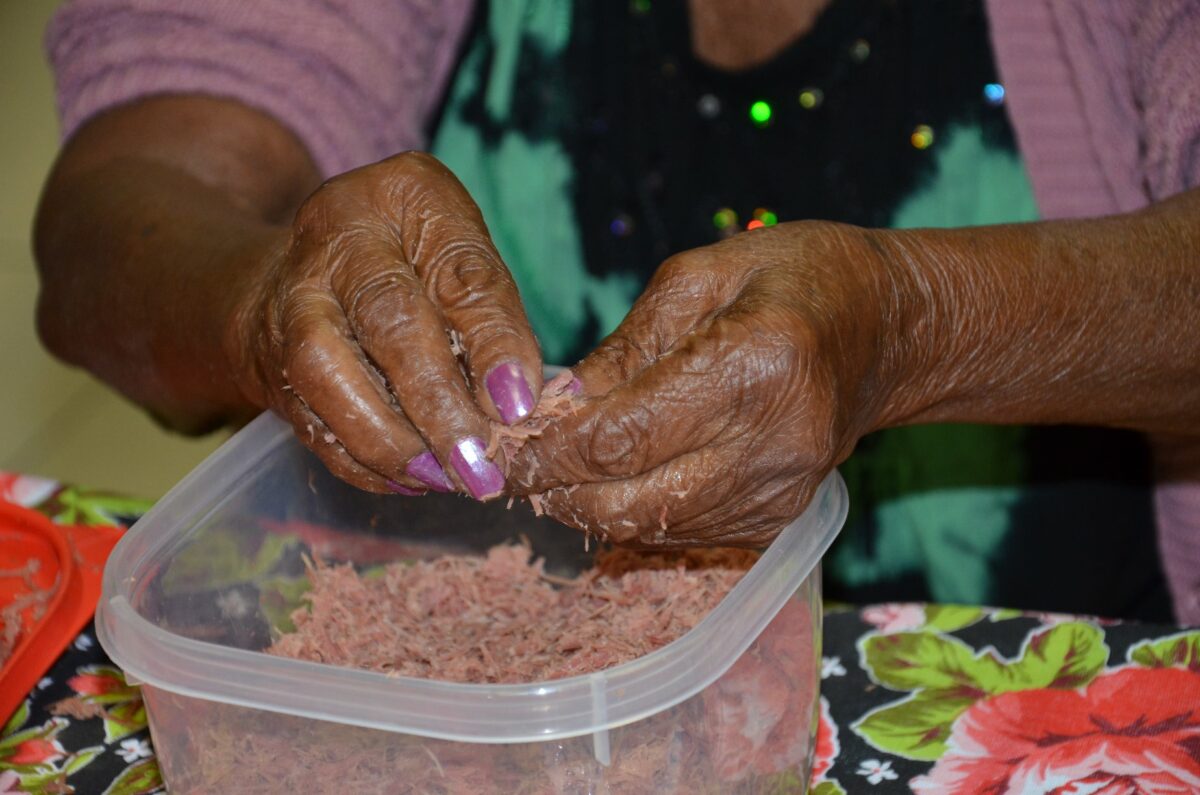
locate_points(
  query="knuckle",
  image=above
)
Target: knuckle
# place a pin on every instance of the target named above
(415, 160)
(490, 339)
(378, 303)
(678, 266)
(694, 276)
(318, 213)
(311, 217)
(614, 445)
(463, 272)
(622, 354)
(306, 363)
(398, 177)
(306, 359)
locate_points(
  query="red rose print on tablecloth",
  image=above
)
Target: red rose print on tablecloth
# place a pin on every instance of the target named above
(1135, 730)
(36, 751)
(826, 749)
(107, 681)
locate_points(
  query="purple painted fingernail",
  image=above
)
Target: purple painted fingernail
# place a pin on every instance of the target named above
(426, 469)
(402, 489)
(509, 391)
(481, 477)
(575, 387)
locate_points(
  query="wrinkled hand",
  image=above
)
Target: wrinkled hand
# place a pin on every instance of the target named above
(351, 331)
(745, 372)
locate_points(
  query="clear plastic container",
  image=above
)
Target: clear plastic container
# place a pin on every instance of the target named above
(194, 590)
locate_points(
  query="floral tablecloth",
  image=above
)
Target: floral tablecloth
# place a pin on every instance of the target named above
(915, 697)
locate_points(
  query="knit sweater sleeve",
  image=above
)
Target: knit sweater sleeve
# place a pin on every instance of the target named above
(1165, 72)
(1165, 61)
(355, 80)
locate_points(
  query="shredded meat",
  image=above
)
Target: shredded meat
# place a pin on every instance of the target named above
(456, 344)
(502, 619)
(76, 707)
(557, 400)
(748, 732)
(10, 614)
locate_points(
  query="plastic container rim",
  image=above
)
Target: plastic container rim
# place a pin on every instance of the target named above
(505, 713)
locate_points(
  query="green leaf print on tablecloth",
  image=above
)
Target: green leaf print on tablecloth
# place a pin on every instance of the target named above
(945, 677)
(1182, 651)
(138, 779)
(916, 728)
(81, 506)
(948, 618)
(1066, 656)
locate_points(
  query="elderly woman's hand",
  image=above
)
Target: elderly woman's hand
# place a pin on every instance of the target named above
(178, 215)
(742, 376)
(750, 368)
(351, 329)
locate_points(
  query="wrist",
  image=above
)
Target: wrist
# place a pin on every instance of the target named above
(915, 335)
(241, 329)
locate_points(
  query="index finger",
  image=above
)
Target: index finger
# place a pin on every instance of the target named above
(447, 242)
(402, 333)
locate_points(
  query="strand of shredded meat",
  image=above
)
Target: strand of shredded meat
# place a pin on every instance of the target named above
(502, 619)
(10, 614)
(75, 707)
(557, 401)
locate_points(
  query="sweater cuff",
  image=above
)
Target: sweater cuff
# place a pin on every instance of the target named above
(317, 72)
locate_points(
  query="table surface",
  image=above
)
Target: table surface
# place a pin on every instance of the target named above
(915, 697)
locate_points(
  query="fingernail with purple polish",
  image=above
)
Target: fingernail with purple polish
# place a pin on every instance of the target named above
(481, 477)
(405, 490)
(509, 391)
(426, 469)
(574, 387)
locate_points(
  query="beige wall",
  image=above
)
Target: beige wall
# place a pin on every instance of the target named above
(54, 420)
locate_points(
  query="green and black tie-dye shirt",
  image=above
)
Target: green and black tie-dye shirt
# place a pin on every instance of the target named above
(596, 145)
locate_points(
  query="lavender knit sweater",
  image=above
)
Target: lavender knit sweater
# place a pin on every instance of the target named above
(1104, 96)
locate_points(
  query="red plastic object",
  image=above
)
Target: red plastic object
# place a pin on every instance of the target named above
(72, 562)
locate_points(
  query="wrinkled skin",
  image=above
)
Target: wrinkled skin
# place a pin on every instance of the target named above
(231, 282)
(736, 383)
(749, 369)
(346, 332)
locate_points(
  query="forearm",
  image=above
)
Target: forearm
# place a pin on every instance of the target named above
(147, 237)
(1084, 322)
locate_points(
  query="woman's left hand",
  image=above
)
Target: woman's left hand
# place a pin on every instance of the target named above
(745, 372)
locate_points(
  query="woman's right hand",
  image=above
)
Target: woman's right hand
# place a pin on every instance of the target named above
(350, 327)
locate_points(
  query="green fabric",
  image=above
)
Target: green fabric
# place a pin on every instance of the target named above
(522, 185)
(974, 184)
(940, 496)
